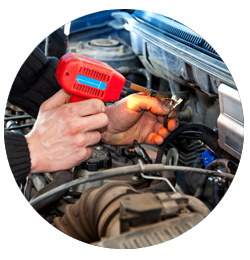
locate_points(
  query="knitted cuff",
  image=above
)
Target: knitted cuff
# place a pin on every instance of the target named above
(18, 155)
(34, 83)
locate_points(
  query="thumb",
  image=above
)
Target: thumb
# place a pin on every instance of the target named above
(57, 100)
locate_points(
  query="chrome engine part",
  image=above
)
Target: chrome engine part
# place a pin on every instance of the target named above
(231, 121)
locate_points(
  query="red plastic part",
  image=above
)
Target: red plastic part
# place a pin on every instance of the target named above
(72, 64)
(75, 98)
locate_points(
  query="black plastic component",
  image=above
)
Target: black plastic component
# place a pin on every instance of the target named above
(153, 94)
(126, 91)
(99, 159)
(232, 166)
(127, 84)
(140, 151)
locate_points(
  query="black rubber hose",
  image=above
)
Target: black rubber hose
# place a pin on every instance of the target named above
(203, 179)
(145, 73)
(207, 136)
(126, 71)
(59, 178)
(219, 162)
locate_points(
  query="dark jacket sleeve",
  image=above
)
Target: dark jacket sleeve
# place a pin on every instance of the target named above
(34, 83)
(18, 155)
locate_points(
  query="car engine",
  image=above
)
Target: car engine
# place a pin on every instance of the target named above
(141, 195)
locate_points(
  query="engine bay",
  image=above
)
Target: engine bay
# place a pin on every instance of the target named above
(141, 195)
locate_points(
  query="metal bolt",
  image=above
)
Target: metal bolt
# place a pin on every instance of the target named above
(80, 45)
(121, 49)
(135, 178)
(183, 72)
(73, 49)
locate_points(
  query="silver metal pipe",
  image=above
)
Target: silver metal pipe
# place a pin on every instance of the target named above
(46, 47)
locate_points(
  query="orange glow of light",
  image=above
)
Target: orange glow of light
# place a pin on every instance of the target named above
(132, 102)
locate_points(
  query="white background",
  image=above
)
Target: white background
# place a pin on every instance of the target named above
(225, 232)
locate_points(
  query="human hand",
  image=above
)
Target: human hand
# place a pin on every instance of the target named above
(63, 132)
(139, 117)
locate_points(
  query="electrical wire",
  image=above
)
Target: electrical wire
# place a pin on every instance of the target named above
(207, 136)
(140, 167)
(203, 179)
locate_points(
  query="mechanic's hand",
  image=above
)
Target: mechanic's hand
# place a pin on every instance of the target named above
(63, 132)
(139, 117)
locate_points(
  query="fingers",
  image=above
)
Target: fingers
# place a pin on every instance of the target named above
(161, 133)
(81, 108)
(83, 155)
(57, 100)
(96, 121)
(173, 124)
(82, 140)
(161, 130)
(173, 114)
(154, 138)
(89, 153)
(86, 107)
(140, 102)
(87, 124)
